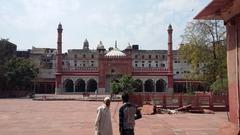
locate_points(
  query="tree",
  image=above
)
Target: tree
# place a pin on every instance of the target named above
(204, 48)
(124, 84)
(19, 73)
(219, 86)
(7, 52)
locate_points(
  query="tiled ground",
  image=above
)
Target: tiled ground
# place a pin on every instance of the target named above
(28, 117)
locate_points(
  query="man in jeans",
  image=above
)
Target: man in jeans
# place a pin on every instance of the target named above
(128, 113)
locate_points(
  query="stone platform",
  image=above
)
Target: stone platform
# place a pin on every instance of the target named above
(30, 117)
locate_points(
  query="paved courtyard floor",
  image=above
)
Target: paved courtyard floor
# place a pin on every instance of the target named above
(28, 117)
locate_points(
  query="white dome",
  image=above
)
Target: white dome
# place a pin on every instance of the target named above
(100, 45)
(115, 53)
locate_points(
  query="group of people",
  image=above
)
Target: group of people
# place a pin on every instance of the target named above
(128, 113)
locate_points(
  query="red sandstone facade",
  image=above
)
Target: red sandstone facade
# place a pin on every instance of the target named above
(109, 65)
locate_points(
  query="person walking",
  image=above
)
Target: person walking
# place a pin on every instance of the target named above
(103, 124)
(128, 113)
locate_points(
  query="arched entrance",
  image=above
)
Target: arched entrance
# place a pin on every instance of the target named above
(80, 85)
(160, 86)
(68, 85)
(138, 85)
(91, 85)
(149, 86)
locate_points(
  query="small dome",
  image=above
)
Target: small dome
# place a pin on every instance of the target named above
(129, 46)
(100, 45)
(115, 53)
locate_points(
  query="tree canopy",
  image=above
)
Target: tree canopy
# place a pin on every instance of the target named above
(15, 73)
(204, 47)
(124, 84)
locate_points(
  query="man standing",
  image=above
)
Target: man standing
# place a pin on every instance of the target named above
(103, 124)
(128, 113)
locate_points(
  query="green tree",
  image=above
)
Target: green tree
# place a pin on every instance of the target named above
(7, 52)
(124, 84)
(204, 48)
(18, 74)
(219, 86)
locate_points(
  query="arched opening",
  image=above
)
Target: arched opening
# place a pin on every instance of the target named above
(160, 86)
(138, 85)
(149, 86)
(80, 85)
(91, 85)
(68, 85)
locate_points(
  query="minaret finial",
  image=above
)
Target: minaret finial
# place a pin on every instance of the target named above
(115, 43)
(169, 27)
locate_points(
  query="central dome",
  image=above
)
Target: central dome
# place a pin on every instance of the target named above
(115, 53)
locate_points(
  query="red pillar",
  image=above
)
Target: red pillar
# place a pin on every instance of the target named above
(233, 56)
(59, 60)
(170, 60)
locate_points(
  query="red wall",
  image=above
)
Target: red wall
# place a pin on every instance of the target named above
(233, 56)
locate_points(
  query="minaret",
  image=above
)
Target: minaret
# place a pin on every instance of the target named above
(170, 60)
(85, 44)
(59, 48)
(59, 60)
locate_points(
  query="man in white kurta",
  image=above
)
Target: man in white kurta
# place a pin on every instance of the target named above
(103, 124)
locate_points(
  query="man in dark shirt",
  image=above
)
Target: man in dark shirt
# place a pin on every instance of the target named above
(128, 113)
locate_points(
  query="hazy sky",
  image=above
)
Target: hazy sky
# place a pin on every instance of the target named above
(30, 23)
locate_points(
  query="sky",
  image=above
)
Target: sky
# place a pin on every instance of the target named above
(28, 23)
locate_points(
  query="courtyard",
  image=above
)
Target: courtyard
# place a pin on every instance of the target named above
(29, 117)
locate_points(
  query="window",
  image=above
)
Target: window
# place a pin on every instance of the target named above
(84, 64)
(92, 56)
(149, 56)
(136, 56)
(142, 63)
(75, 63)
(163, 56)
(175, 61)
(62, 63)
(156, 56)
(84, 56)
(156, 65)
(136, 65)
(75, 56)
(162, 65)
(177, 72)
(149, 65)
(92, 63)
(142, 56)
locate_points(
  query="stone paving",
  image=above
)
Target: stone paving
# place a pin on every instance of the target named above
(28, 117)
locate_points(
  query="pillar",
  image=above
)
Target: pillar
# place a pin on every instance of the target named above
(58, 83)
(170, 60)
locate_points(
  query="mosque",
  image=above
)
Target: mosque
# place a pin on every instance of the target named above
(87, 70)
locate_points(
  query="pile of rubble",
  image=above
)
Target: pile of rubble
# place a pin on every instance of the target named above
(150, 109)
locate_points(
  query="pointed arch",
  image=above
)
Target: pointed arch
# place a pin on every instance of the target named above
(80, 85)
(68, 85)
(91, 85)
(138, 85)
(160, 85)
(149, 85)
